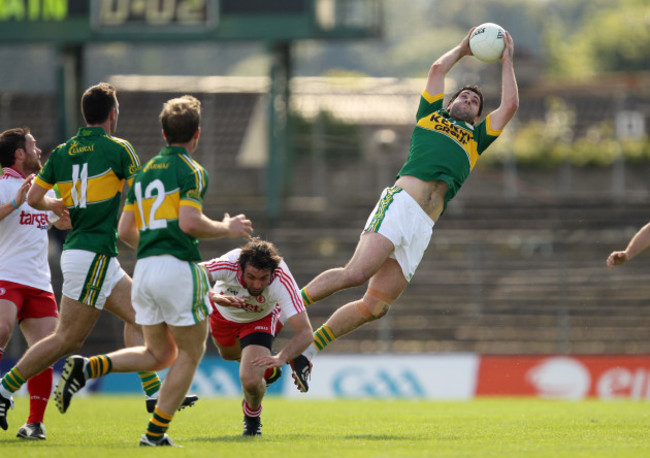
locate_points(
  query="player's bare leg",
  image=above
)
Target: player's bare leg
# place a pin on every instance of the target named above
(189, 349)
(371, 252)
(76, 321)
(252, 377)
(8, 313)
(190, 341)
(119, 303)
(254, 388)
(383, 289)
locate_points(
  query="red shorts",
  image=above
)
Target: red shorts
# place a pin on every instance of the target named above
(30, 302)
(227, 332)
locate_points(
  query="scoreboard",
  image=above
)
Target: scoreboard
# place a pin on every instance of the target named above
(81, 21)
(144, 16)
(70, 24)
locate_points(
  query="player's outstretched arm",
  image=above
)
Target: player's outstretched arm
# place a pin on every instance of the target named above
(37, 199)
(442, 65)
(639, 242)
(226, 301)
(192, 221)
(304, 335)
(509, 90)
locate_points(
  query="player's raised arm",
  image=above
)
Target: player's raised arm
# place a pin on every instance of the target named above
(442, 65)
(509, 90)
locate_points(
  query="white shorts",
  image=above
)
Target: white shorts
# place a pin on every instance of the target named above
(168, 290)
(89, 277)
(399, 218)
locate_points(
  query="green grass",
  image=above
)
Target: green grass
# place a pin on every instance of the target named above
(109, 426)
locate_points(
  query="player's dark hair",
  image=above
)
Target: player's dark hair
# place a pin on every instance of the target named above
(259, 254)
(180, 118)
(97, 102)
(10, 141)
(474, 89)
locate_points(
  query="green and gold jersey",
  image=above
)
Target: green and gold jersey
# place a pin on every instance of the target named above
(165, 183)
(90, 170)
(443, 148)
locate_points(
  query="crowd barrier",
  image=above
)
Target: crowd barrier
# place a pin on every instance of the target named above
(422, 376)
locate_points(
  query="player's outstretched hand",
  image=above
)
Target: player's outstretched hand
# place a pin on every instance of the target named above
(64, 223)
(617, 258)
(59, 207)
(509, 49)
(238, 226)
(269, 361)
(226, 301)
(464, 44)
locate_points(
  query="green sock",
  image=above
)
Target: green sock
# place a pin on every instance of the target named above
(158, 425)
(150, 382)
(13, 380)
(98, 366)
(323, 336)
(306, 298)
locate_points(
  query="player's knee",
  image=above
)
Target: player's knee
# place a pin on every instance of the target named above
(5, 332)
(381, 310)
(372, 308)
(250, 382)
(160, 359)
(69, 346)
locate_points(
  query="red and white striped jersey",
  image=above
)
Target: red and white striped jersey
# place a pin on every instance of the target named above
(281, 292)
(23, 238)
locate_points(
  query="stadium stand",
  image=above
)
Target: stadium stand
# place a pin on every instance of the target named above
(505, 273)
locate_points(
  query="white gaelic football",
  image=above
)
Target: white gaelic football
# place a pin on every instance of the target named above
(486, 42)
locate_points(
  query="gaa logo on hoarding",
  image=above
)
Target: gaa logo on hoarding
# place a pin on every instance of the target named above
(359, 382)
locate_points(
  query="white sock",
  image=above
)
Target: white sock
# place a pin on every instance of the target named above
(4, 393)
(311, 352)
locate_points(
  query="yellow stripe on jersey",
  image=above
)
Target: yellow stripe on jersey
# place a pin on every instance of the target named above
(199, 173)
(135, 160)
(168, 209)
(192, 203)
(489, 129)
(43, 184)
(432, 98)
(100, 188)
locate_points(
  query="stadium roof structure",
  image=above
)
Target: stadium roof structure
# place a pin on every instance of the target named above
(65, 22)
(71, 24)
(349, 99)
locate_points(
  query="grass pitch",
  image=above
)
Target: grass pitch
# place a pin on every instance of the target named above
(110, 426)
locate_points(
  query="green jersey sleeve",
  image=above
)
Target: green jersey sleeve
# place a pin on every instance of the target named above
(193, 184)
(429, 104)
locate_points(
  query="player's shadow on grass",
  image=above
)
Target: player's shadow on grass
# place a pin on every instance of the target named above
(284, 437)
(229, 438)
(382, 437)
